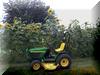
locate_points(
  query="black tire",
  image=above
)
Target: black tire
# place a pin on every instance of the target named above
(64, 61)
(36, 65)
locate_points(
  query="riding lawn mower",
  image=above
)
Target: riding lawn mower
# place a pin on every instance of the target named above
(45, 58)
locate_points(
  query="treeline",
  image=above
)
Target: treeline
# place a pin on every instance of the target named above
(24, 29)
(80, 40)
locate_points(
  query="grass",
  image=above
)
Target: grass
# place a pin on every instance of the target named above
(79, 67)
(74, 71)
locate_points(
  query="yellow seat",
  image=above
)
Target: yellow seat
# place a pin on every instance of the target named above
(62, 46)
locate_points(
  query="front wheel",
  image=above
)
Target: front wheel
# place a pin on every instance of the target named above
(36, 65)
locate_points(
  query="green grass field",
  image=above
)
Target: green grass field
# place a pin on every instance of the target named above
(79, 67)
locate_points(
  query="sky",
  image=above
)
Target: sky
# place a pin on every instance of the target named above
(66, 16)
(66, 10)
(71, 4)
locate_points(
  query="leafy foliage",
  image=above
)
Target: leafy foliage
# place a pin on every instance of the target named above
(80, 41)
(97, 45)
(31, 24)
(19, 37)
(28, 11)
(24, 36)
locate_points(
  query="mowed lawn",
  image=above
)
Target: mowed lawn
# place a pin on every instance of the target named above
(83, 66)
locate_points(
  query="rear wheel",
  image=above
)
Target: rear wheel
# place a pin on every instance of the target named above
(64, 61)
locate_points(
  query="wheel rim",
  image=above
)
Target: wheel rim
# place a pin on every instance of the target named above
(36, 66)
(64, 62)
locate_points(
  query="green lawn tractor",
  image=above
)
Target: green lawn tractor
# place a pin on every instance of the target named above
(44, 58)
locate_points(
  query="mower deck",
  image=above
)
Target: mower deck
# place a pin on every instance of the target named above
(49, 66)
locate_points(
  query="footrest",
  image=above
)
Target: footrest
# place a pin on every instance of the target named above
(49, 60)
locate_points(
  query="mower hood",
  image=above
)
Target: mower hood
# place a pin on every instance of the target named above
(38, 50)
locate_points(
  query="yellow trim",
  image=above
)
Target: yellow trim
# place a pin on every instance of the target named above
(62, 46)
(37, 51)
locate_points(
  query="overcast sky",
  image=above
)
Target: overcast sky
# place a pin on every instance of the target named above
(66, 16)
(66, 10)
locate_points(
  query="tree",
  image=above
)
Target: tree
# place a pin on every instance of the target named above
(79, 41)
(28, 11)
(19, 36)
(29, 24)
(97, 45)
